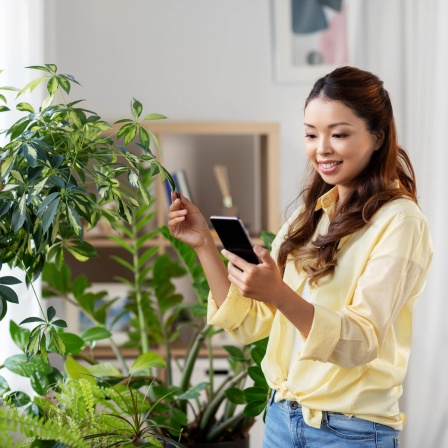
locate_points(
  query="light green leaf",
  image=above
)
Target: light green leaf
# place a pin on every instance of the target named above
(145, 361)
(76, 371)
(104, 369)
(47, 102)
(4, 109)
(133, 179)
(96, 334)
(25, 107)
(154, 117)
(32, 85)
(136, 108)
(52, 85)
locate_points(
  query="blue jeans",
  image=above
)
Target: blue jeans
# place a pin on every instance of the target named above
(286, 428)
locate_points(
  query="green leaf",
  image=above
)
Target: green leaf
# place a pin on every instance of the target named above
(236, 396)
(18, 399)
(145, 361)
(40, 382)
(19, 335)
(52, 85)
(255, 408)
(21, 365)
(136, 108)
(133, 179)
(257, 376)
(56, 342)
(104, 369)
(25, 107)
(8, 294)
(154, 117)
(32, 85)
(256, 394)
(76, 371)
(235, 353)
(96, 334)
(4, 109)
(51, 312)
(3, 308)
(29, 320)
(4, 386)
(194, 392)
(143, 136)
(9, 280)
(73, 343)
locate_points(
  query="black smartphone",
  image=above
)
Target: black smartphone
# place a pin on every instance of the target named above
(234, 237)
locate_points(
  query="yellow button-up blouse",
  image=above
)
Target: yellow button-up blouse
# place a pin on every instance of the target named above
(355, 357)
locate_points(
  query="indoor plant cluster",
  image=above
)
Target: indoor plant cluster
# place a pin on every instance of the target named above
(60, 170)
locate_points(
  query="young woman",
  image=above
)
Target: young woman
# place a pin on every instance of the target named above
(337, 294)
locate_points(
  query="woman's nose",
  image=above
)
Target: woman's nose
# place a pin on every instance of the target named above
(323, 146)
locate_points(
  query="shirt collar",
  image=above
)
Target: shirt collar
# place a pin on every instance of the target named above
(328, 200)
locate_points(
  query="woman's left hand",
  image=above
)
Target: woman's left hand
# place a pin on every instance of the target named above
(262, 282)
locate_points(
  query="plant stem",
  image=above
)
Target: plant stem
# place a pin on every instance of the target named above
(138, 294)
(119, 356)
(34, 291)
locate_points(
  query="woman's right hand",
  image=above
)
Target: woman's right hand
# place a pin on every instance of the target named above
(186, 222)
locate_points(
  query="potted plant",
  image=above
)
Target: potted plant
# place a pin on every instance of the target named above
(61, 166)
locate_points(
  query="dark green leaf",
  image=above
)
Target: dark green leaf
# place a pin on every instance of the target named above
(51, 312)
(255, 408)
(8, 294)
(235, 395)
(3, 308)
(4, 109)
(29, 320)
(18, 399)
(256, 394)
(257, 376)
(9, 280)
(235, 352)
(60, 323)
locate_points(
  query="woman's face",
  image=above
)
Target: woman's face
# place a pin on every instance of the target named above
(337, 142)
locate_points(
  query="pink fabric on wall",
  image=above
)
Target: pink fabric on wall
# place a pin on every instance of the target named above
(333, 44)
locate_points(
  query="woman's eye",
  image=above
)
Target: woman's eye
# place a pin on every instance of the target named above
(339, 135)
(310, 136)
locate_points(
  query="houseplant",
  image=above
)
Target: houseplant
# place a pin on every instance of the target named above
(53, 155)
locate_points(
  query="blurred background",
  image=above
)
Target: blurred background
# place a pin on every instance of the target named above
(231, 60)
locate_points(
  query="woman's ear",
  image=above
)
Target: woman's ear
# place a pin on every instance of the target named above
(379, 137)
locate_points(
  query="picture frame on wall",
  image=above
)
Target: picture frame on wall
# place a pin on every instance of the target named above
(311, 37)
(117, 319)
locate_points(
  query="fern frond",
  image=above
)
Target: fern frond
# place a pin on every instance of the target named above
(33, 428)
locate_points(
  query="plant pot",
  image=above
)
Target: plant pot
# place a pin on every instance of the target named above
(240, 443)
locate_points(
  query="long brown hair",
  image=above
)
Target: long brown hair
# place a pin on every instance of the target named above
(364, 94)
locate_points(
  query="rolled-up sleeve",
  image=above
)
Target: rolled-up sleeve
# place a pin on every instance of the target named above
(245, 319)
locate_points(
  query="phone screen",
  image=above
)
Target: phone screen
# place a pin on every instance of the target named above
(234, 237)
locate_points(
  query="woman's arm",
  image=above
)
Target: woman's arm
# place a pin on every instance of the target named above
(264, 283)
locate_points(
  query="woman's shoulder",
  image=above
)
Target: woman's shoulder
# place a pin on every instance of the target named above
(398, 209)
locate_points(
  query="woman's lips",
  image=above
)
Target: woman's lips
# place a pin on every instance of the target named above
(328, 167)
